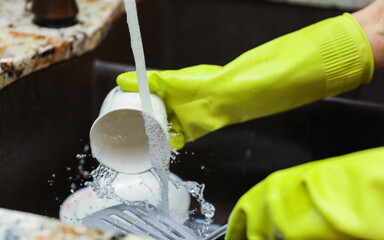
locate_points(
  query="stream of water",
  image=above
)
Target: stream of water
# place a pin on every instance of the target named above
(160, 151)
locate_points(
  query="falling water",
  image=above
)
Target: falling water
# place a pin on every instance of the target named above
(159, 150)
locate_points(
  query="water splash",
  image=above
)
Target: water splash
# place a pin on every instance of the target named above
(103, 178)
(207, 209)
(159, 150)
(160, 154)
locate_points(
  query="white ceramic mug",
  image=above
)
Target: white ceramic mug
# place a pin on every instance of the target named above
(118, 138)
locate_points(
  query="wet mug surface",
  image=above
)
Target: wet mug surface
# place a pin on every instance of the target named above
(118, 138)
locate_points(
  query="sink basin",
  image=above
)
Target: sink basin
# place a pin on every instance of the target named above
(45, 118)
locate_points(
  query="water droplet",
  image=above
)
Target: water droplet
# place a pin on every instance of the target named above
(208, 209)
(86, 148)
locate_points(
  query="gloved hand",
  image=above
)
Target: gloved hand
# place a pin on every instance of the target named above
(322, 60)
(338, 198)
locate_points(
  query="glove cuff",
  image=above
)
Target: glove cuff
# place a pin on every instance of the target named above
(345, 51)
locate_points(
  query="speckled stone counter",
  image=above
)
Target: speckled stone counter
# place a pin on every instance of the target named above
(26, 47)
(25, 226)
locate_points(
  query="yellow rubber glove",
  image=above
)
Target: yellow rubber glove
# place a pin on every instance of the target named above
(337, 198)
(322, 60)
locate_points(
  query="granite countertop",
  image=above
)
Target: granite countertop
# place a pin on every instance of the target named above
(25, 226)
(26, 47)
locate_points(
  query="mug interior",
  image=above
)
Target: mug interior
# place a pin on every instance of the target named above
(119, 141)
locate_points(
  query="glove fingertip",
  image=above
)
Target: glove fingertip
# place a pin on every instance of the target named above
(236, 225)
(128, 81)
